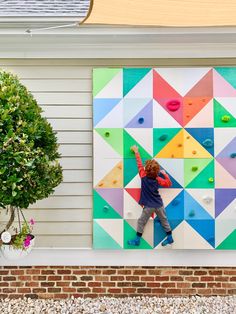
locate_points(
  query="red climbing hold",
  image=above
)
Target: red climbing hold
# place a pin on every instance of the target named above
(173, 105)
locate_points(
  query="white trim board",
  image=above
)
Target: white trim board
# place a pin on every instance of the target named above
(89, 257)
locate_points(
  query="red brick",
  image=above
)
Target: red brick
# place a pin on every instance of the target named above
(124, 284)
(221, 278)
(128, 290)
(101, 278)
(132, 278)
(214, 284)
(173, 291)
(114, 290)
(185, 272)
(54, 278)
(219, 291)
(168, 285)
(54, 290)
(108, 284)
(98, 290)
(94, 272)
(32, 284)
(109, 272)
(47, 284)
(48, 272)
(94, 284)
(144, 290)
(32, 271)
(39, 290)
(75, 278)
(154, 272)
(158, 291)
(17, 272)
(161, 278)
(231, 291)
(65, 284)
(198, 285)
(23, 290)
(192, 278)
(207, 278)
(117, 278)
(139, 272)
(63, 271)
(185, 285)
(204, 291)
(215, 272)
(233, 279)
(60, 296)
(169, 272)
(189, 291)
(68, 290)
(153, 284)
(9, 278)
(124, 272)
(138, 284)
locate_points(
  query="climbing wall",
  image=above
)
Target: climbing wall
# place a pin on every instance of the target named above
(185, 119)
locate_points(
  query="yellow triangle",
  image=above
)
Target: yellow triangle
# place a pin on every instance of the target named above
(175, 148)
(193, 149)
(114, 178)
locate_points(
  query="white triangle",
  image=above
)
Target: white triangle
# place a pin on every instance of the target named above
(222, 137)
(223, 227)
(148, 230)
(223, 178)
(229, 212)
(102, 149)
(178, 236)
(205, 197)
(114, 119)
(102, 167)
(135, 183)
(132, 210)
(168, 195)
(143, 89)
(174, 168)
(183, 79)
(193, 240)
(114, 89)
(144, 137)
(229, 103)
(162, 119)
(114, 227)
(132, 107)
(204, 119)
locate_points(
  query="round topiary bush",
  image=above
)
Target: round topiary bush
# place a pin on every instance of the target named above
(29, 167)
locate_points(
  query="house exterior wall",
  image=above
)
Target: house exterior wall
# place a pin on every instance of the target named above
(63, 88)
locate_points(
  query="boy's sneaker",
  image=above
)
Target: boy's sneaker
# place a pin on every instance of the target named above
(134, 242)
(168, 240)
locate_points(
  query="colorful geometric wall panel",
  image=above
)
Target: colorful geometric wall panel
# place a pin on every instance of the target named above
(185, 118)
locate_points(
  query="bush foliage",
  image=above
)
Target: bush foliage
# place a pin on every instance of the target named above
(29, 167)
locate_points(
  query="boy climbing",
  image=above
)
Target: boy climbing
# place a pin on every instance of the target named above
(150, 198)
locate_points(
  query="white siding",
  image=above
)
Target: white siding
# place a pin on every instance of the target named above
(64, 90)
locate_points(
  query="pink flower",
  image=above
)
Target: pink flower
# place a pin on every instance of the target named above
(26, 242)
(32, 222)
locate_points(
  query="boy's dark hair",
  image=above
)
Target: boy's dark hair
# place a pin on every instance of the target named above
(152, 168)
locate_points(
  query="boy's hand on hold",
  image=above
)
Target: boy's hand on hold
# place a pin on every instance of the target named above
(163, 171)
(134, 149)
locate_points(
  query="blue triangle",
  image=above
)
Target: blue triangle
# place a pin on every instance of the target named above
(175, 184)
(143, 119)
(102, 240)
(205, 136)
(159, 233)
(175, 209)
(101, 107)
(193, 210)
(206, 228)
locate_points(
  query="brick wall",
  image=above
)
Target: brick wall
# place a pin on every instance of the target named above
(63, 282)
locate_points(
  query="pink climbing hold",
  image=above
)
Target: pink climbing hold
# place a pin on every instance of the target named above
(173, 105)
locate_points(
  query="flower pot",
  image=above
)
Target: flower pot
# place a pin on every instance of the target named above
(11, 253)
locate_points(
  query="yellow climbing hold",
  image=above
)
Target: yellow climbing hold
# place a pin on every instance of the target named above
(225, 118)
(211, 180)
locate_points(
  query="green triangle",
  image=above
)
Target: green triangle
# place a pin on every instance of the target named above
(189, 163)
(131, 77)
(130, 141)
(101, 77)
(130, 233)
(102, 240)
(161, 137)
(130, 169)
(102, 209)
(114, 137)
(229, 74)
(201, 180)
(219, 112)
(229, 243)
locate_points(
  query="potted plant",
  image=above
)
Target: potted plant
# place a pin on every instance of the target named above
(29, 167)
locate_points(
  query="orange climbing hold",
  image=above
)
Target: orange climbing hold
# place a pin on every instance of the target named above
(114, 181)
(194, 152)
(100, 184)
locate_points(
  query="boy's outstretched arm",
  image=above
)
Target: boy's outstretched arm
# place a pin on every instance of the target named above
(165, 182)
(141, 170)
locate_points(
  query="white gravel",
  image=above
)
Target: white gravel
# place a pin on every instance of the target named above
(138, 305)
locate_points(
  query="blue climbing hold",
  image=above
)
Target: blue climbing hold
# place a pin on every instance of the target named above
(191, 213)
(141, 120)
(233, 155)
(105, 208)
(207, 143)
(163, 137)
(175, 202)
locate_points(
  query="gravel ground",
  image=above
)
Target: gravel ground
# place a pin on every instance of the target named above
(138, 305)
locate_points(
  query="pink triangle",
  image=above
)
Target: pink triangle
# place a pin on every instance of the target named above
(114, 197)
(221, 88)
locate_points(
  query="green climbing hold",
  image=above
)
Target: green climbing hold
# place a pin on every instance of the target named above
(225, 118)
(107, 134)
(233, 155)
(163, 137)
(105, 208)
(194, 168)
(211, 180)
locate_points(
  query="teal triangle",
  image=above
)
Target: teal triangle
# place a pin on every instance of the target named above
(131, 76)
(102, 240)
(229, 74)
(229, 243)
(129, 234)
(130, 169)
(102, 209)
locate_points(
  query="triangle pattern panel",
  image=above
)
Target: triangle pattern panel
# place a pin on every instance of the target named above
(108, 79)
(193, 210)
(175, 169)
(205, 197)
(177, 232)
(101, 107)
(192, 147)
(107, 234)
(222, 88)
(193, 170)
(114, 198)
(223, 229)
(114, 137)
(203, 119)
(132, 209)
(227, 157)
(204, 88)
(132, 108)
(194, 240)
(162, 118)
(130, 141)
(161, 137)
(144, 87)
(113, 119)
(229, 74)
(174, 148)
(223, 178)
(205, 137)
(130, 233)
(222, 117)
(144, 138)
(102, 209)
(229, 242)
(222, 136)
(206, 228)
(192, 106)
(131, 77)
(144, 119)
(114, 178)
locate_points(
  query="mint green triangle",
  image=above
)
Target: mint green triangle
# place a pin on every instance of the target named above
(102, 240)
(131, 77)
(102, 209)
(101, 77)
(129, 141)
(229, 74)
(114, 137)
(190, 164)
(219, 112)
(130, 169)
(202, 180)
(129, 234)
(161, 137)
(229, 243)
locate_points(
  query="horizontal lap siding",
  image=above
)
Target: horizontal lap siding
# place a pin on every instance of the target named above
(63, 88)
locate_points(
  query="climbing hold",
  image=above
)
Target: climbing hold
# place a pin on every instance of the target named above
(203, 100)
(105, 208)
(194, 168)
(172, 156)
(100, 184)
(207, 142)
(225, 118)
(233, 155)
(180, 145)
(175, 202)
(163, 137)
(188, 137)
(107, 134)
(190, 103)
(141, 120)
(119, 167)
(194, 152)
(207, 199)
(211, 180)
(187, 115)
(191, 213)
(173, 105)
(114, 181)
